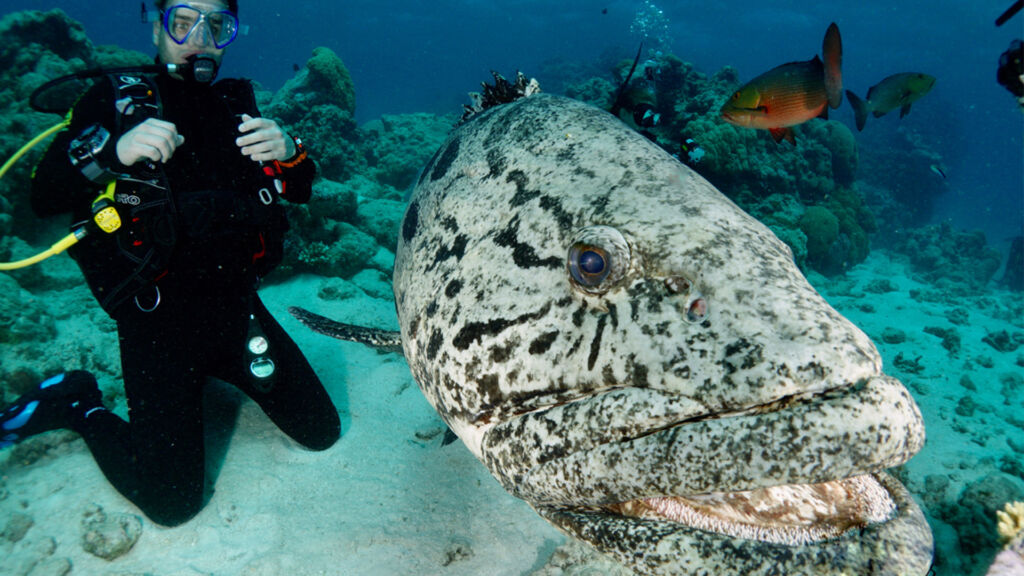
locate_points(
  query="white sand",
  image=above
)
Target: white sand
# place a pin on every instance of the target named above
(381, 501)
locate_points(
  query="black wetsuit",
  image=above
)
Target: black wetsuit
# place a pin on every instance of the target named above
(206, 292)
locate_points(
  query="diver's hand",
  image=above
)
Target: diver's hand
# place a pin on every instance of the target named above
(263, 140)
(154, 140)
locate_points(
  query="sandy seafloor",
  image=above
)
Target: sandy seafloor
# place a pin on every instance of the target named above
(389, 499)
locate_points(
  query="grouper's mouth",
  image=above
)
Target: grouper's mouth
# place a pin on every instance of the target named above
(794, 472)
(795, 486)
(845, 527)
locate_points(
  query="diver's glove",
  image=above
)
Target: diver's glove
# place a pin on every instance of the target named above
(154, 140)
(263, 140)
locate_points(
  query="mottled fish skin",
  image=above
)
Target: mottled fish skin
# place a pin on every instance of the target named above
(703, 361)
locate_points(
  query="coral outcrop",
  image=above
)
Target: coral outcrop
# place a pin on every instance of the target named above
(1010, 526)
(319, 104)
(957, 262)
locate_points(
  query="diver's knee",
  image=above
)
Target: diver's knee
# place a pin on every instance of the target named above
(324, 437)
(171, 514)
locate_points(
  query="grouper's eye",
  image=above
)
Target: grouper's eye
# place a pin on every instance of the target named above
(598, 258)
(588, 265)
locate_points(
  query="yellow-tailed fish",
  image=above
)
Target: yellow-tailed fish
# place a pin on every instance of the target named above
(792, 93)
(896, 91)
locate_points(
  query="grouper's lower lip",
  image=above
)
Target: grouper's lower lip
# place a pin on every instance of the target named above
(899, 544)
(789, 514)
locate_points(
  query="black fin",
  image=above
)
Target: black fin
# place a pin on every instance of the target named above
(617, 103)
(449, 437)
(1010, 12)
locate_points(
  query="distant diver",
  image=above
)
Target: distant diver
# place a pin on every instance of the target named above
(1010, 73)
(637, 97)
(690, 152)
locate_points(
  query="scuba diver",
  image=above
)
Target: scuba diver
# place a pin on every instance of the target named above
(194, 175)
(690, 152)
(636, 98)
(1010, 73)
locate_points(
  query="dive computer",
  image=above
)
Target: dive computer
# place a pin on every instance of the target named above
(84, 152)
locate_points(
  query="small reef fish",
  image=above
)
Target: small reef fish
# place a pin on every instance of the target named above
(897, 91)
(792, 93)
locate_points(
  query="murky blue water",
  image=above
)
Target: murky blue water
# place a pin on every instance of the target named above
(424, 56)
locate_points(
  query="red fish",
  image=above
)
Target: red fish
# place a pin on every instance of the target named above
(792, 93)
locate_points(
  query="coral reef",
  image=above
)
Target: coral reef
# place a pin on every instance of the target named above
(109, 536)
(1010, 525)
(973, 516)
(319, 105)
(1013, 274)
(1010, 522)
(955, 261)
(900, 161)
(398, 146)
(501, 92)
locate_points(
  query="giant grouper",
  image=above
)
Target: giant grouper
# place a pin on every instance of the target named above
(641, 361)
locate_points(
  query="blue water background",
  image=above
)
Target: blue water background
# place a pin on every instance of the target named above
(424, 56)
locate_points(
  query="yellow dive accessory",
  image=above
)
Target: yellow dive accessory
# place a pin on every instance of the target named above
(103, 212)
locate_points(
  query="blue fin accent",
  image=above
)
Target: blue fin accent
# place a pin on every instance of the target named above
(52, 381)
(22, 418)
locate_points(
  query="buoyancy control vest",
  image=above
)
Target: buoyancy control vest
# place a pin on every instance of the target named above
(127, 266)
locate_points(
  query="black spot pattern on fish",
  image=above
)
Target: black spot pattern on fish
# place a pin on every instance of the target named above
(444, 162)
(496, 162)
(411, 221)
(474, 331)
(450, 224)
(457, 250)
(453, 288)
(554, 206)
(523, 194)
(436, 340)
(543, 343)
(523, 255)
(595, 344)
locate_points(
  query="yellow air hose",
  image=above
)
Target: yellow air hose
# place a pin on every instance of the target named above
(104, 214)
(24, 149)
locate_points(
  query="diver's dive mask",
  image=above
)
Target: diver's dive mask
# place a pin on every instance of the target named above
(181, 21)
